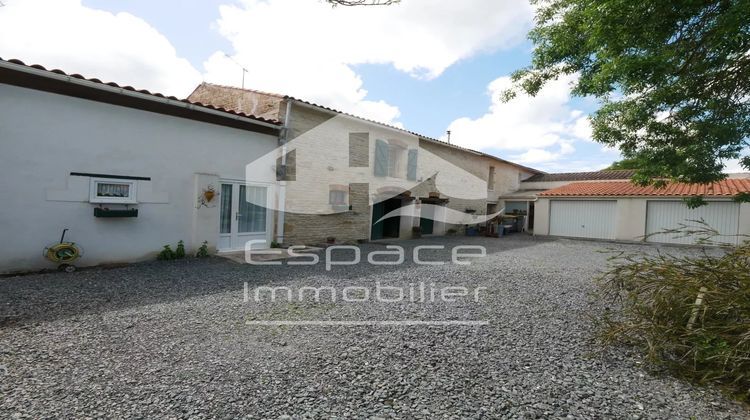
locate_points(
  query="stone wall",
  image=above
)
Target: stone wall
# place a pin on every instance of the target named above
(347, 227)
(507, 177)
(331, 151)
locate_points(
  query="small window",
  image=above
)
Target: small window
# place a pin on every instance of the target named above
(337, 198)
(491, 179)
(105, 190)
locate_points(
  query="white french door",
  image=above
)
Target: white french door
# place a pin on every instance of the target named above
(244, 215)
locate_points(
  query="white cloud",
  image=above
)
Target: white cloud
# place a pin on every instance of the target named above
(303, 48)
(306, 48)
(118, 47)
(536, 156)
(543, 155)
(536, 129)
(733, 166)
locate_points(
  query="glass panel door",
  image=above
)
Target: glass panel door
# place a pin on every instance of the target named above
(243, 216)
(225, 221)
(251, 216)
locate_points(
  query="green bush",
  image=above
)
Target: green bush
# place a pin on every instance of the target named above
(166, 254)
(179, 253)
(203, 251)
(689, 314)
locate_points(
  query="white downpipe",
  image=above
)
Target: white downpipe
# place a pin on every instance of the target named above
(281, 205)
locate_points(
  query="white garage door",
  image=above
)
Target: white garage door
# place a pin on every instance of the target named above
(583, 219)
(722, 216)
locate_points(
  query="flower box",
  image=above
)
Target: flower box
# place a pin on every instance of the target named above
(100, 212)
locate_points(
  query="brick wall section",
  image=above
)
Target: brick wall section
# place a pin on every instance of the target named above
(359, 150)
(348, 227)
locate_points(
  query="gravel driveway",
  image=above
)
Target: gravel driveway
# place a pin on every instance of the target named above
(171, 339)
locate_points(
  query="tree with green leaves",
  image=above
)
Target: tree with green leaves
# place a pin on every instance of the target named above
(673, 78)
(623, 164)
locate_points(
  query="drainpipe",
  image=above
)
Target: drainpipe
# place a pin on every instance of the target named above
(283, 139)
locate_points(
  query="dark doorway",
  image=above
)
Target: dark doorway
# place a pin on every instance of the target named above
(530, 216)
(426, 225)
(427, 219)
(388, 228)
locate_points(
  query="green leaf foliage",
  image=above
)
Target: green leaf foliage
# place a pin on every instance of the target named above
(688, 314)
(672, 77)
(203, 251)
(179, 252)
(166, 254)
(624, 164)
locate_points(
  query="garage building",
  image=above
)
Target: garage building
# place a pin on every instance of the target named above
(620, 210)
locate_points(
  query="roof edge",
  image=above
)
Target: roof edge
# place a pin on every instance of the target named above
(367, 120)
(59, 76)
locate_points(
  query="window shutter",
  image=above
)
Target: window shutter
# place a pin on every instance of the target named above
(359, 150)
(411, 165)
(381, 158)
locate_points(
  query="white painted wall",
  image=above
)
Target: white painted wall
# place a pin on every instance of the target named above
(44, 137)
(631, 219)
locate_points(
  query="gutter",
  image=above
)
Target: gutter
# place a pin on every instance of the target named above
(281, 205)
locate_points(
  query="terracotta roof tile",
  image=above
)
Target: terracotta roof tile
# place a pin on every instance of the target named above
(725, 188)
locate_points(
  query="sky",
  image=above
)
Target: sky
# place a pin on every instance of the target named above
(425, 65)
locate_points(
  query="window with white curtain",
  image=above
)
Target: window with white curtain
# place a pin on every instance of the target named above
(106, 190)
(252, 209)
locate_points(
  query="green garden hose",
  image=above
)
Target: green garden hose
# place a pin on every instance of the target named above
(63, 252)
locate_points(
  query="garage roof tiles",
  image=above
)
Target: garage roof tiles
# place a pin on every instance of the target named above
(725, 188)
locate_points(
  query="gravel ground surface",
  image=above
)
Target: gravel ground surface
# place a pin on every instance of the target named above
(171, 339)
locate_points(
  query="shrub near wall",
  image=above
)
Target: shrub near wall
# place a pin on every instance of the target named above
(690, 315)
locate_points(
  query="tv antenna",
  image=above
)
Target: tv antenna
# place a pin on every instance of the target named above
(244, 70)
